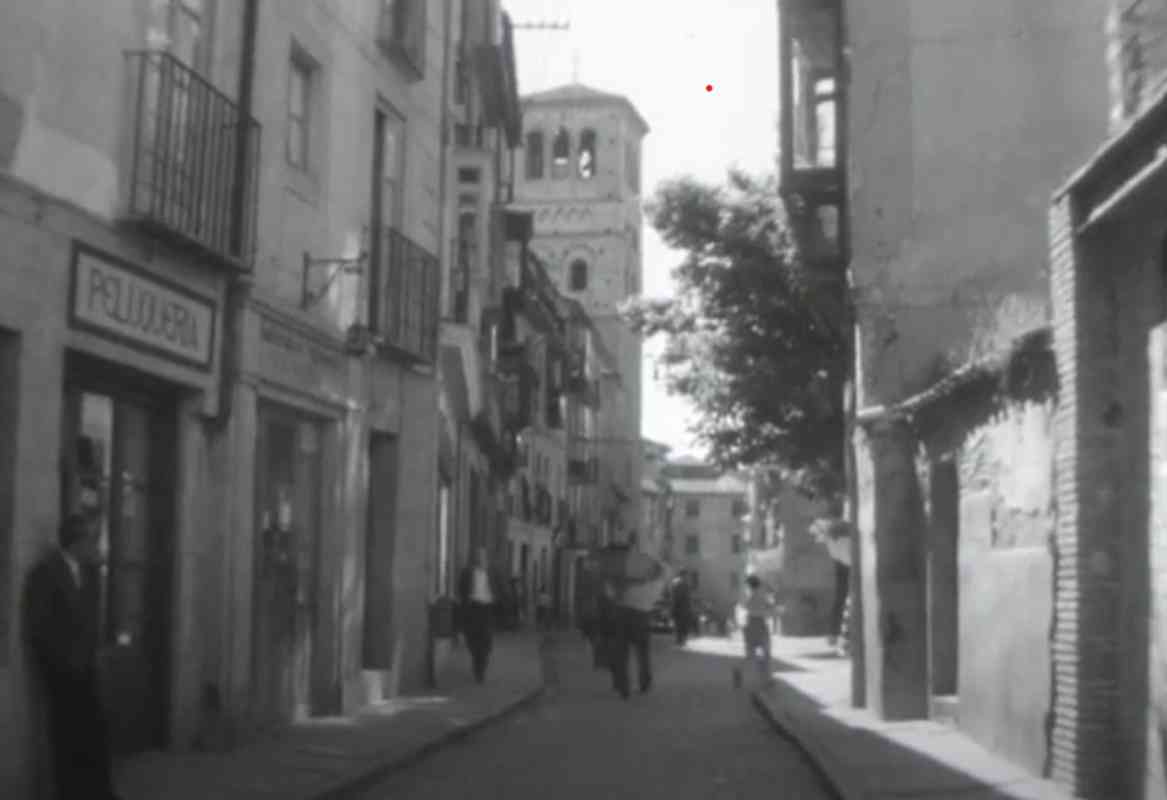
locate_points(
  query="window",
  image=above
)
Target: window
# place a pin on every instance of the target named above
(442, 573)
(692, 508)
(560, 154)
(299, 109)
(739, 507)
(534, 153)
(692, 545)
(579, 275)
(735, 543)
(587, 154)
(188, 37)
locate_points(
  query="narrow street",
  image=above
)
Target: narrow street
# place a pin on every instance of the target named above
(692, 736)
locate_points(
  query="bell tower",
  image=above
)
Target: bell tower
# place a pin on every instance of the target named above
(579, 175)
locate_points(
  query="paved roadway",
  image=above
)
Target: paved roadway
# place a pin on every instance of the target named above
(692, 737)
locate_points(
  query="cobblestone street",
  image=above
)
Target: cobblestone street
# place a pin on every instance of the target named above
(691, 736)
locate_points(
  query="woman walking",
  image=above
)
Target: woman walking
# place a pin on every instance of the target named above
(759, 606)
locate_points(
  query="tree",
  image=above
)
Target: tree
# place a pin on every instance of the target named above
(757, 339)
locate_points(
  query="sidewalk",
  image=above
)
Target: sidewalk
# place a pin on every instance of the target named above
(324, 757)
(866, 758)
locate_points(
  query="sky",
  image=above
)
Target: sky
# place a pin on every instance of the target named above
(661, 55)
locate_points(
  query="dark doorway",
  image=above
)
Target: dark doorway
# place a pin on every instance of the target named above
(287, 486)
(380, 546)
(944, 578)
(119, 460)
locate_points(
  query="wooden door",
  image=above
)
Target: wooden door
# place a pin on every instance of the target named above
(275, 570)
(287, 485)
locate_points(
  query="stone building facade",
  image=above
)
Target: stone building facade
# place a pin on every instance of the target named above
(580, 178)
(219, 330)
(709, 531)
(1108, 287)
(927, 191)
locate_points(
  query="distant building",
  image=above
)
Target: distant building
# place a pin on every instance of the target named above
(708, 530)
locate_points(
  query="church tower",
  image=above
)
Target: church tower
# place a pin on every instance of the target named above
(580, 177)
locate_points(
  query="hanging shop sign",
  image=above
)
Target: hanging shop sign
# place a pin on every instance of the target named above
(124, 302)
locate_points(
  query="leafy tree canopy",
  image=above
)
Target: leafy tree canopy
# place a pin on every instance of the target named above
(755, 339)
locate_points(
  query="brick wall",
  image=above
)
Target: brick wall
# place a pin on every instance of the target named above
(1084, 754)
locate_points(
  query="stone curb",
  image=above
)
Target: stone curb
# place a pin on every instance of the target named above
(367, 777)
(832, 774)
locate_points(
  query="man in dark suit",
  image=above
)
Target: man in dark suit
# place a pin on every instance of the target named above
(61, 632)
(478, 591)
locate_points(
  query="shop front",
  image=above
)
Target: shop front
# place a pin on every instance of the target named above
(301, 385)
(138, 350)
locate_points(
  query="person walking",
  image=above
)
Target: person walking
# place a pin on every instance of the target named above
(61, 632)
(632, 608)
(682, 601)
(478, 591)
(759, 606)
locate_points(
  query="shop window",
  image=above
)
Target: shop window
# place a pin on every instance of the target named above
(579, 275)
(692, 508)
(9, 404)
(587, 154)
(561, 154)
(534, 156)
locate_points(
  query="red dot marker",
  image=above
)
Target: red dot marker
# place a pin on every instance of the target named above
(709, 87)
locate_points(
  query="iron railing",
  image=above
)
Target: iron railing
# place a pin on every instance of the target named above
(407, 314)
(184, 159)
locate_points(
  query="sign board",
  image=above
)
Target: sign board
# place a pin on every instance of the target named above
(123, 302)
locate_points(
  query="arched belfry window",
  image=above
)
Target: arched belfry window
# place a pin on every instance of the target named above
(579, 275)
(534, 154)
(561, 154)
(587, 153)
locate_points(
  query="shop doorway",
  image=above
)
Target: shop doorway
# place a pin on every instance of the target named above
(118, 462)
(287, 505)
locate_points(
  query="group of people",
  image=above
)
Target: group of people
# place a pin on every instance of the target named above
(619, 624)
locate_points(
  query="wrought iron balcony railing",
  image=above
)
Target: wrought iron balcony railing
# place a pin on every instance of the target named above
(184, 160)
(407, 280)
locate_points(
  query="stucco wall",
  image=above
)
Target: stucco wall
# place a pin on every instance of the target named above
(950, 177)
(1006, 584)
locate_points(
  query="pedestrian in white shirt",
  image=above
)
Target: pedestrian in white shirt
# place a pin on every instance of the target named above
(759, 605)
(637, 595)
(478, 591)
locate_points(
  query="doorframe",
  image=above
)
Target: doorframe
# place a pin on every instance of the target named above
(161, 399)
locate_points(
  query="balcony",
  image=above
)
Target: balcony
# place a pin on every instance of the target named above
(189, 141)
(406, 308)
(813, 141)
(402, 34)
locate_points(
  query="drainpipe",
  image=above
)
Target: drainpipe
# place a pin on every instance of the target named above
(238, 289)
(239, 286)
(443, 167)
